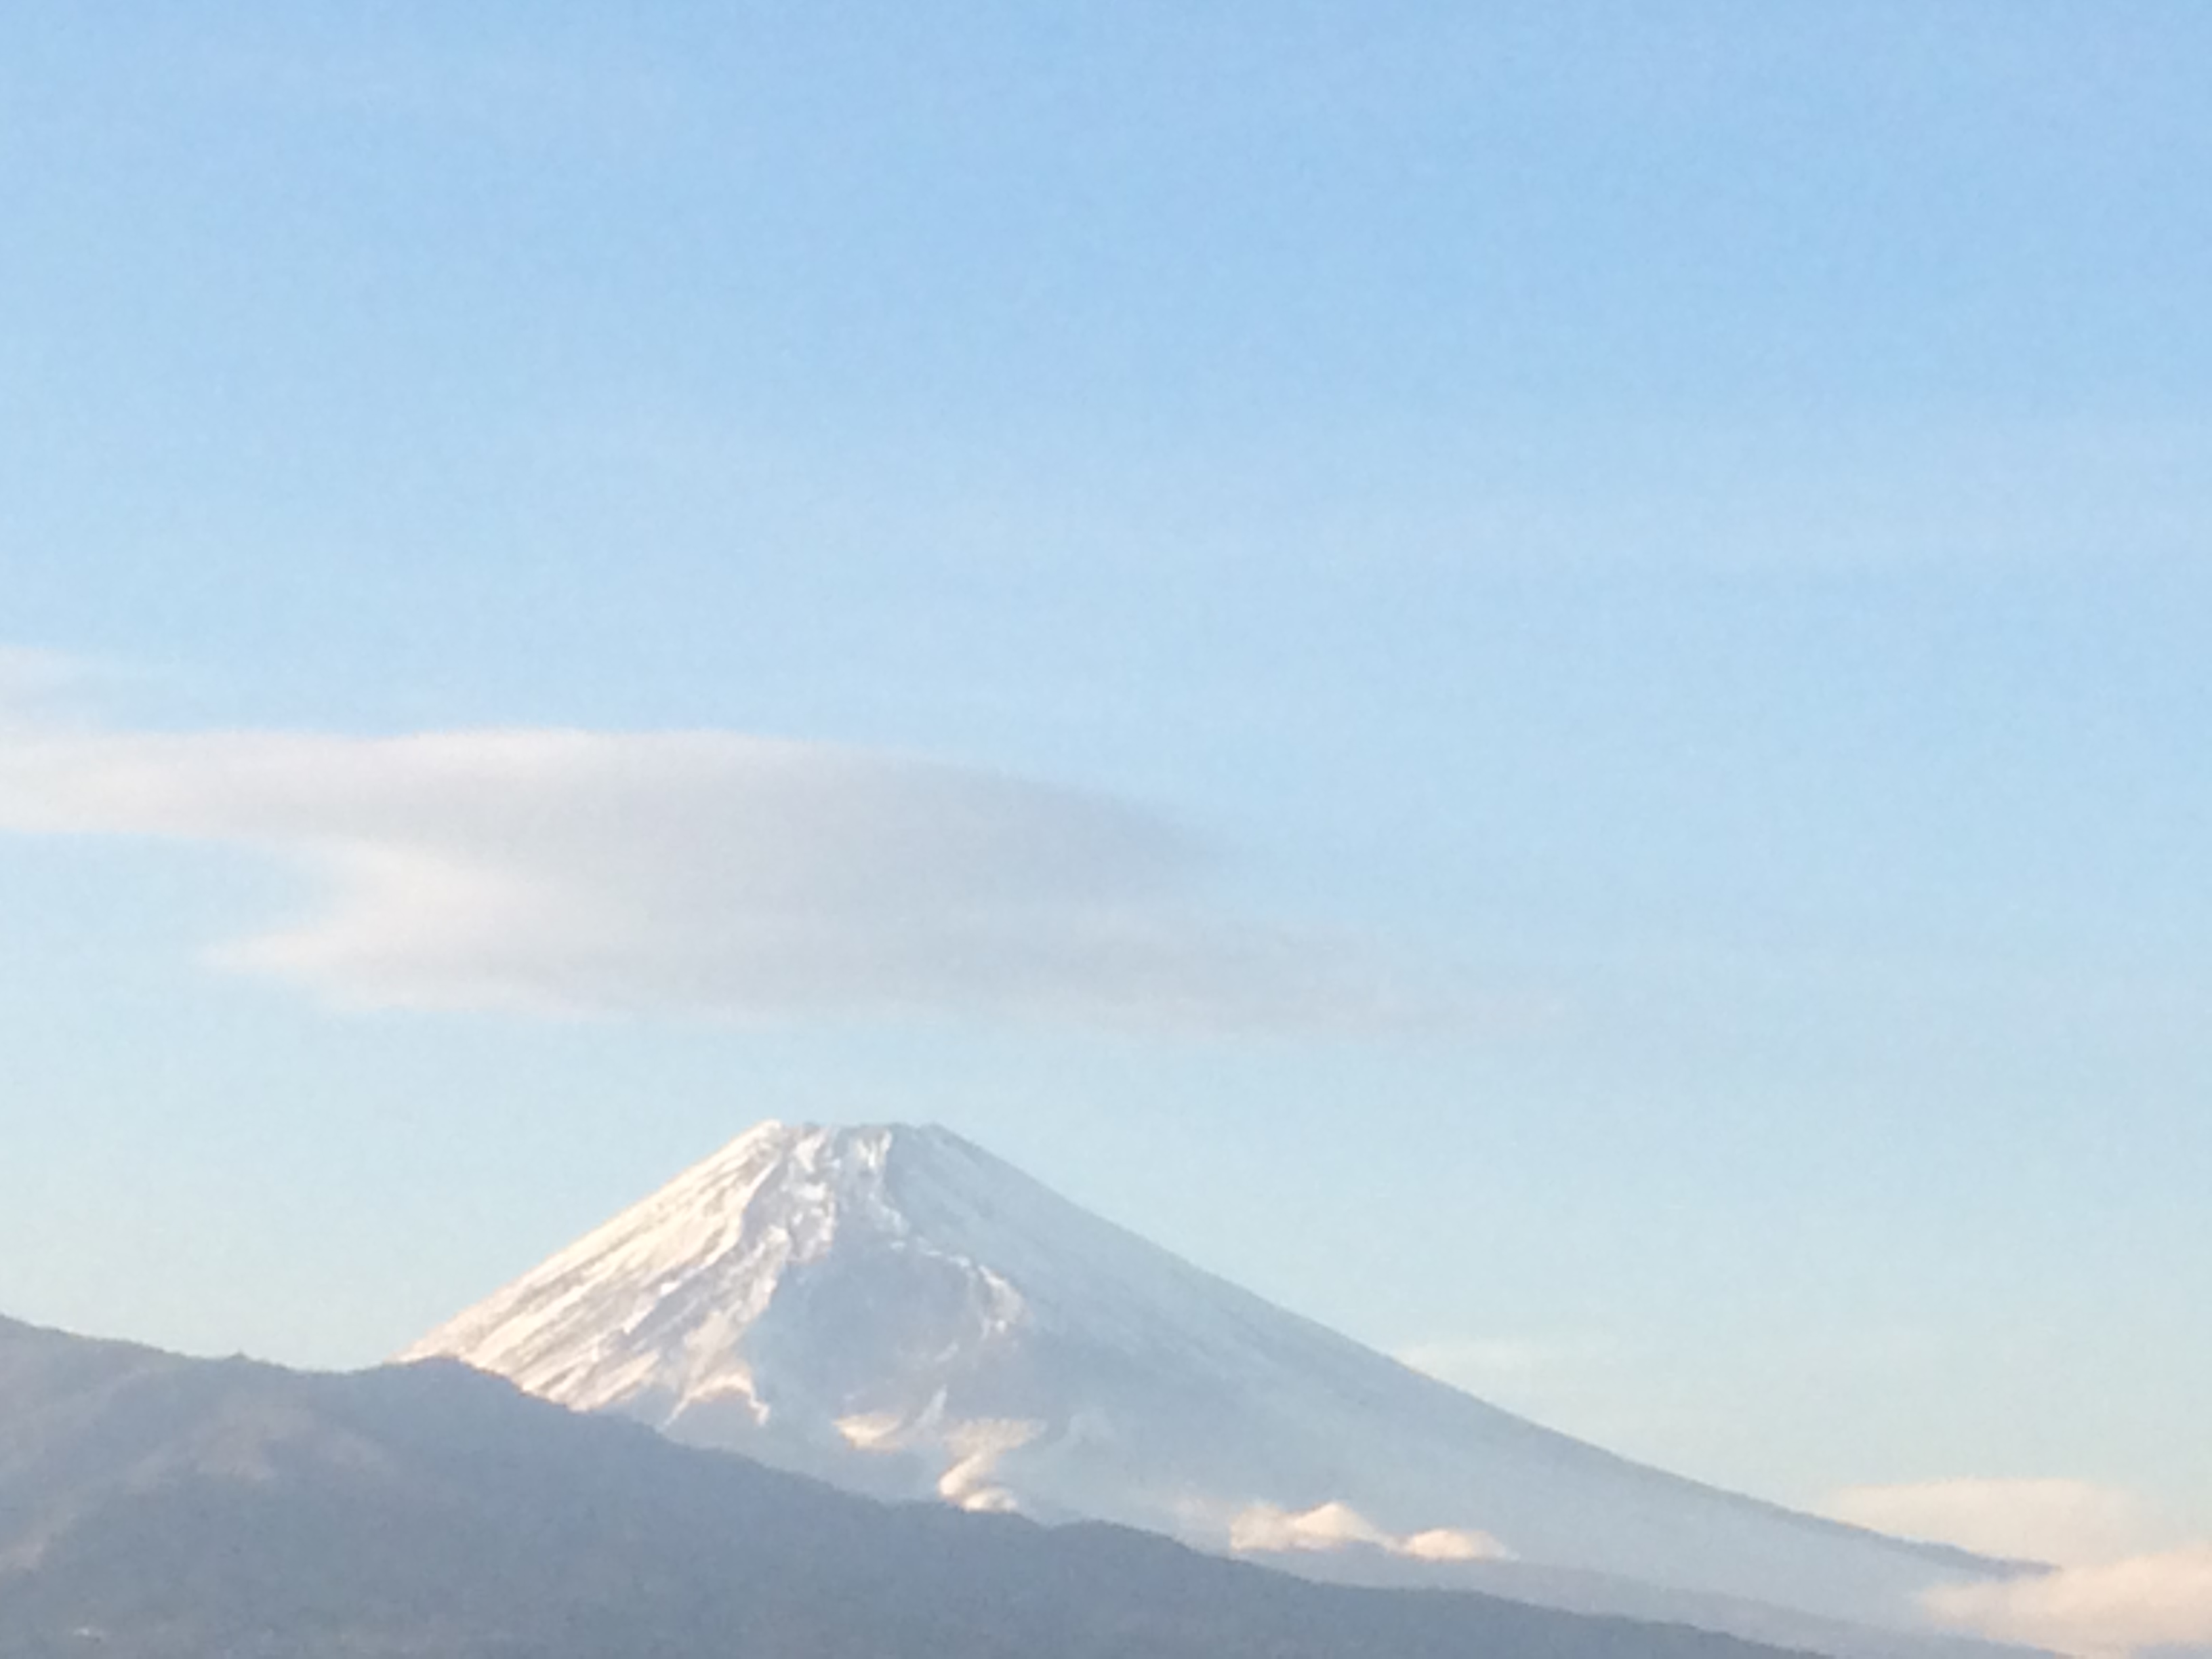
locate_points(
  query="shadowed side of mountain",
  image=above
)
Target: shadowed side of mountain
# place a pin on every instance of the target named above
(156, 1506)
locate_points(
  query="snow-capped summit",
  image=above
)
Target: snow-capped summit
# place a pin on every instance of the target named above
(896, 1310)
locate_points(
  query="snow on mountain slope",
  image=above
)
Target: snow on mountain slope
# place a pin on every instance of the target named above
(896, 1311)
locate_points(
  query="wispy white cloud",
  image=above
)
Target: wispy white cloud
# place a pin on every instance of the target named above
(1266, 1529)
(2116, 1608)
(705, 872)
(2118, 1587)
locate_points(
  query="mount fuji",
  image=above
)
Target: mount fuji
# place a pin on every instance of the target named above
(896, 1311)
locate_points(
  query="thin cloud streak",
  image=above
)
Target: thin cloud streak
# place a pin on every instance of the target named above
(705, 874)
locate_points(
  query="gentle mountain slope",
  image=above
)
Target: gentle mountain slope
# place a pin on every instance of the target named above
(153, 1506)
(897, 1311)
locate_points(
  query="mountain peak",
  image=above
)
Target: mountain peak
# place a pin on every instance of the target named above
(654, 1311)
(844, 1158)
(892, 1308)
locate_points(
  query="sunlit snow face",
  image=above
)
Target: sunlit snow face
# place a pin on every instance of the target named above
(895, 1310)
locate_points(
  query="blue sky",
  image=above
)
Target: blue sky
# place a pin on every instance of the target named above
(1581, 628)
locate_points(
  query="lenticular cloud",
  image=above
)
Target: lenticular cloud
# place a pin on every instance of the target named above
(703, 873)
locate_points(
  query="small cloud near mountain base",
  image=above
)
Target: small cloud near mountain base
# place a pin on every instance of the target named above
(2133, 1609)
(1265, 1529)
(2118, 1590)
